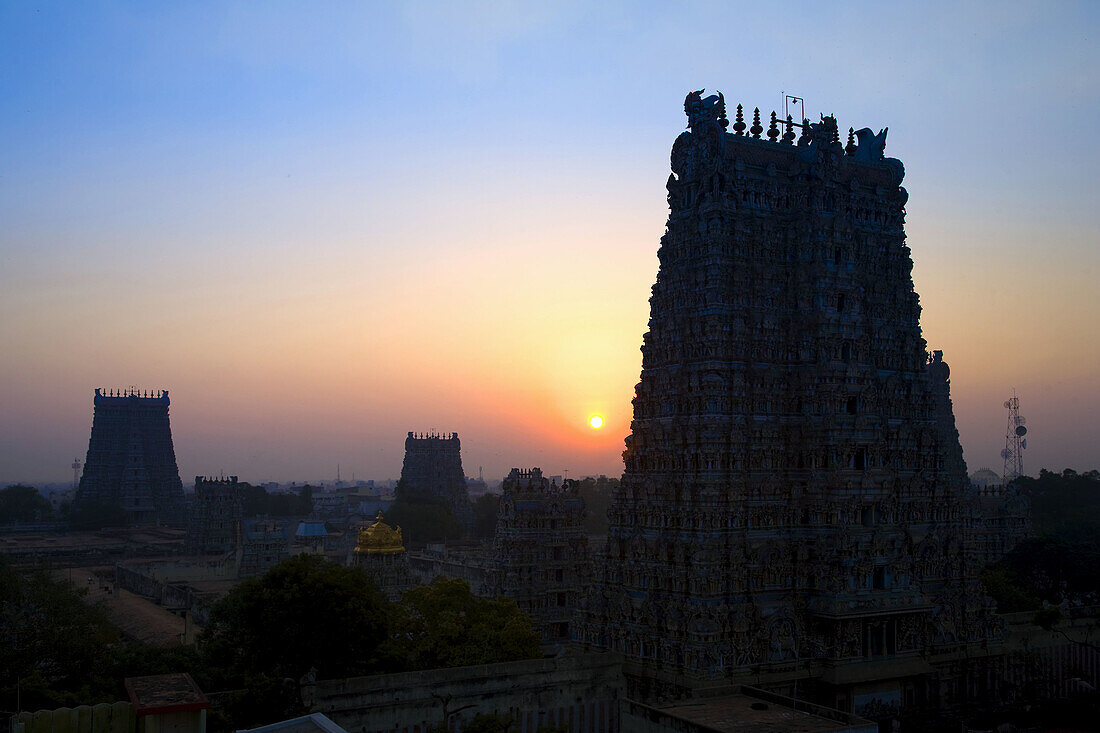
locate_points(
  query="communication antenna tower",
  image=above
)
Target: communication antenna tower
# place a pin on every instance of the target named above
(1015, 442)
(76, 472)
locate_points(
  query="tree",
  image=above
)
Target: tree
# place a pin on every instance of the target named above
(306, 612)
(422, 523)
(51, 641)
(20, 503)
(445, 625)
(256, 500)
(88, 515)
(486, 508)
(1062, 561)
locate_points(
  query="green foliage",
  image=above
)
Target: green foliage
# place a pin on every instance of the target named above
(51, 642)
(306, 612)
(97, 515)
(257, 501)
(445, 625)
(258, 700)
(422, 523)
(20, 503)
(1047, 616)
(486, 508)
(1066, 505)
(405, 494)
(1062, 561)
(263, 636)
(597, 493)
(1004, 586)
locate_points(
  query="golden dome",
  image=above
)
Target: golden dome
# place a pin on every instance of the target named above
(379, 538)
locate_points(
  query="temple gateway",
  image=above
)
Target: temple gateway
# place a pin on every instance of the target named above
(795, 509)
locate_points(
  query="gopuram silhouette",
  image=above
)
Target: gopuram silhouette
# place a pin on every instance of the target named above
(795, 510)
(131, 462)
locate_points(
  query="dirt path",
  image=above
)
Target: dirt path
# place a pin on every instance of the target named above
(135, 617)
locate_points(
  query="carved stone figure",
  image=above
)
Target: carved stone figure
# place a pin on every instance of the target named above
(706, 111)
(871, 146)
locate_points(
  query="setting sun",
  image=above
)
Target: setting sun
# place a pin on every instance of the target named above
(596, 422)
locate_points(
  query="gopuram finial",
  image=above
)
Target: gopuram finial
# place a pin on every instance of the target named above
(705, 112)
(871, 146)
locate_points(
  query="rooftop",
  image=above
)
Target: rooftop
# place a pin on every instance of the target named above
(165, 693)
(305, 724)
(754, 710)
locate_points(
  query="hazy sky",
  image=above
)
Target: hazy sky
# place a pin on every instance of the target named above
(322, 225)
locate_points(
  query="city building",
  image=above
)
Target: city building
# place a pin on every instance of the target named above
(540, 551)
(131, 462)
(263, 545)
(794, 507)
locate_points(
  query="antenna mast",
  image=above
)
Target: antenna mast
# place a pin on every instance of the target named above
(1015, 442)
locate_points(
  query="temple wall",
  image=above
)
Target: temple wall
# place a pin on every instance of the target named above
(105, 717)
(581, 691)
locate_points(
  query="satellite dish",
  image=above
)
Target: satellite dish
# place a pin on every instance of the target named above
(1023, 443)
(1021, 430)
(1008, 404)
(1021, 421)
(1006, 453)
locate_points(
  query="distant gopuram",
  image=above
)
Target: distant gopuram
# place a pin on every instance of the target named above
(131, 462)
(432, 473)
(794, 499)
(540, 550)
(214, 525)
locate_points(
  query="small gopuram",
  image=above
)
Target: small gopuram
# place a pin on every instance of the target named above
(131, 462)
(540, 550)
(380, 551)
(432, 473)
(793, 510)
(217, 509)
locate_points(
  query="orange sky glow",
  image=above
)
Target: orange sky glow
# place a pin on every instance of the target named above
(322, 231)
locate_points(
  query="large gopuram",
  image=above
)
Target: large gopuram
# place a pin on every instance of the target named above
(131, 462)
(794, 500)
